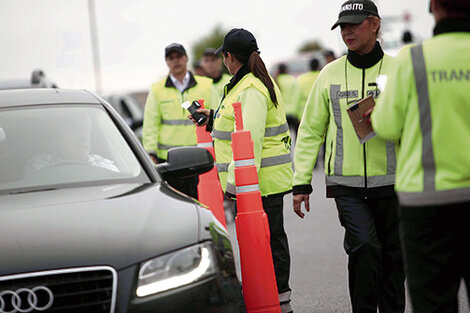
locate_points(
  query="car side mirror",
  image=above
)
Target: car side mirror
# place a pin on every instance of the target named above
(185, 162)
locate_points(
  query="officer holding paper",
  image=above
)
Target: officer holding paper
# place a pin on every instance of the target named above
(360, 177)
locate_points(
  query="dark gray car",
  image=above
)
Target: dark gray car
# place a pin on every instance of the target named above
(88, 225)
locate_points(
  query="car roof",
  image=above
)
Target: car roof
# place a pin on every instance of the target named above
(38, 96)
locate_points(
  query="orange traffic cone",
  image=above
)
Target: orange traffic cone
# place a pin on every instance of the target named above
(258, 278)
(209, 189)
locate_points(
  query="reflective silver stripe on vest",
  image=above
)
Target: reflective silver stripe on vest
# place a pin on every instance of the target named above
(358, 181)
(334, 92)
(177, 122)
(221, 135)
(276, 160)
(244, 162)
(391, 158)
(436, 197)
(167, 147)
(248, 188)
(274, 131)
(205, 144)
(265, 162)
(421, 80)
(222, 167)
(268, 132)
(231, 189)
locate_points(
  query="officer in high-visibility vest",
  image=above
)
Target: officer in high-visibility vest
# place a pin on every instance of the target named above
(290, 94)
(264, 116)
(360, 177)
(329, 56)
(165, 122)
(212, 65)
(426, 106)
(306, 82)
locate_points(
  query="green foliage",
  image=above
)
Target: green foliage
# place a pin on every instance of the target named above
(312, 45)
(213, 40)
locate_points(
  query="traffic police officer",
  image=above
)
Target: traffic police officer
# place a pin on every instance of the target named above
(212, 66)
(290, 94)
(165, 123)
(360, 177)
(306, 82)
(426, 106)
(264, 116)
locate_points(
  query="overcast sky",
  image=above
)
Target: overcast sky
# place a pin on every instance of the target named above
(54, 35)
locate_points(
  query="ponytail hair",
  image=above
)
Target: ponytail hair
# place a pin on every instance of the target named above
(257, 67)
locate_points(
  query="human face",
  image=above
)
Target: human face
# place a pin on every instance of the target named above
(177, 63)
(228, 62)
(211, 65)
(361, 37)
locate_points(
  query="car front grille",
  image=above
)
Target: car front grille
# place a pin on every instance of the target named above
(90, 290)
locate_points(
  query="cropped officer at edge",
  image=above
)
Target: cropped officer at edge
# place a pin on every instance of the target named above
(165, 121)
(426, 105)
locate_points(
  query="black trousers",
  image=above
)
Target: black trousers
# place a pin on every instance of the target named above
(273, 206)
(436, 241)
(372, 242)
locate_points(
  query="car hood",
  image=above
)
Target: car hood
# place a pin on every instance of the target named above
(117, 225)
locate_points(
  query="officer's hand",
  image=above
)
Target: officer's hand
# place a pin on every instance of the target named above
(153, 158)
(206, 112)
(298, 199)
(367, 114)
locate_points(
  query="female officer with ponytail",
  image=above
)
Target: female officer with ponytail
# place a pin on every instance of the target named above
(264, 116)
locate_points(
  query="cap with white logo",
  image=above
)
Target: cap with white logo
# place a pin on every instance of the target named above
(356, 11)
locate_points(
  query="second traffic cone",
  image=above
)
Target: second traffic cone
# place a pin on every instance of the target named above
(209, 189)
(258, 277)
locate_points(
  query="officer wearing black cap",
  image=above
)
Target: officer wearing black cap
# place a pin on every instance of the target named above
(264, 116)
(165, 123)
(212, 65)
(359, 176)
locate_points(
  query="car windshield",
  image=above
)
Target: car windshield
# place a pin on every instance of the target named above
(53, 146)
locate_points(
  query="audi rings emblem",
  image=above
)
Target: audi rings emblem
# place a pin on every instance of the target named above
(26, 300)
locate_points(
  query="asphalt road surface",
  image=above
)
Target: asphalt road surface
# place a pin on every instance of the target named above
(319, 264)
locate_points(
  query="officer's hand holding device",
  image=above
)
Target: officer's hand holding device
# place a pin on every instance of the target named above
(193, 108)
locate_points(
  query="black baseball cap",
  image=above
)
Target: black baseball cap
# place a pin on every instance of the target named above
(356, 11)
(174, 47)
(238, 41)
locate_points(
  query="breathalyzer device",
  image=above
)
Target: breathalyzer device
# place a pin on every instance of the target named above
(200, 118)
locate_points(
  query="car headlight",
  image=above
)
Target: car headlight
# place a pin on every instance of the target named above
(176, 269)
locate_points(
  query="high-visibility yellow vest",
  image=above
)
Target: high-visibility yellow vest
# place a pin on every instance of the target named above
(269, 131)
(426, 105)
(166, 123)
(290, 93)
(305, 82)
(347, 162)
